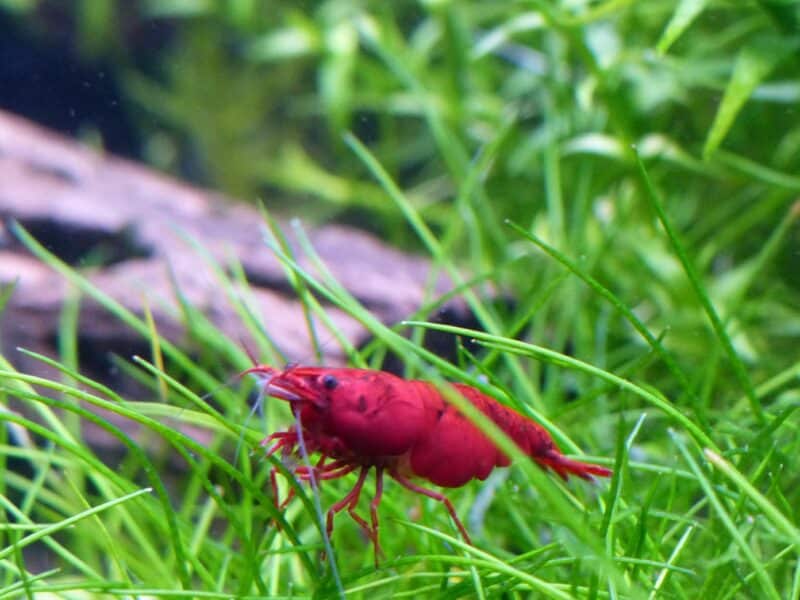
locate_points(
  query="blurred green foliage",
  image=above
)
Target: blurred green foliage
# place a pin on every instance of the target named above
(253, 97)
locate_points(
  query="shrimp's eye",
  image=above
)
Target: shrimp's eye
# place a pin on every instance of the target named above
(329, 381)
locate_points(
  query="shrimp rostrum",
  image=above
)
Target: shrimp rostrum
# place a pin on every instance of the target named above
(359, 419)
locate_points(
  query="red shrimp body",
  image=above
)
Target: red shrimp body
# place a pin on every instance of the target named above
(363, 418)
(463, 452)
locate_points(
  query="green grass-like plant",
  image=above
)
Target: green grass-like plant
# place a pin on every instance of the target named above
(624, 173)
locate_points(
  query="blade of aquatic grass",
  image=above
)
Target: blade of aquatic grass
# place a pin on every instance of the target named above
(701, 293)
(339, 295)
(685, 14)
(43, 472)
(68, 332)
(210, 336)
(475, 208)
(768, 509)
(414, 220)
(58, 549)
(386, 46)
(114, 589)
(31, 493)
(376, 346)
(80, 452)
(301, 289)
(114, 307)
(767, 585)
(53, 528)
(184, 415)
(186, 447)
(333, 560)
(668, 568)
(435, 590)
(141, 539)
(765, 435)
(202, 526)
(238, 300)
(155, 348)
(774, 383)
(553, 188)
(485, 497)
(147, 466)
(484, 560)
(795, 592)
(758, 264)
(615, 487)
(6, 291)
(708, 381)
(24, 583)
(220, 420)
(267, 346)
(68, 352)
(757, 171)
(197, 541)
(433, 246)
(128, 368)
(311, 306)
(753, 64)
(115, 561)
(592, 394)
(619, 305)
(642, 535)
(537, 301)
(53, 421)
(735, 223)
(693, 515)
(538, 352)
(761, 468)
(332, 291)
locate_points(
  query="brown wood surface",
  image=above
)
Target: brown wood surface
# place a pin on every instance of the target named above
(80, 202)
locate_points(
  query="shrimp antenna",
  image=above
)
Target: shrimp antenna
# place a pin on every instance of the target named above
(258, 404)
(227, 383)
(248, 351)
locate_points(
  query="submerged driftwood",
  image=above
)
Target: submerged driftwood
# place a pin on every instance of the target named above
(135, 225)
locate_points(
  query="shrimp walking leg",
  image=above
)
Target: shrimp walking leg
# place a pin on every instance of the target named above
(283, 440)
(376, 500)
(373, 511)
(333, 470)
(436, 496)
(350, 501)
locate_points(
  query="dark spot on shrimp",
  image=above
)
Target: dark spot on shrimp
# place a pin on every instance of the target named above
(329, 382)
(362, 404)
(439, 414)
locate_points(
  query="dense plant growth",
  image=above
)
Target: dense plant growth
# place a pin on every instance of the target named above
(625, 172)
